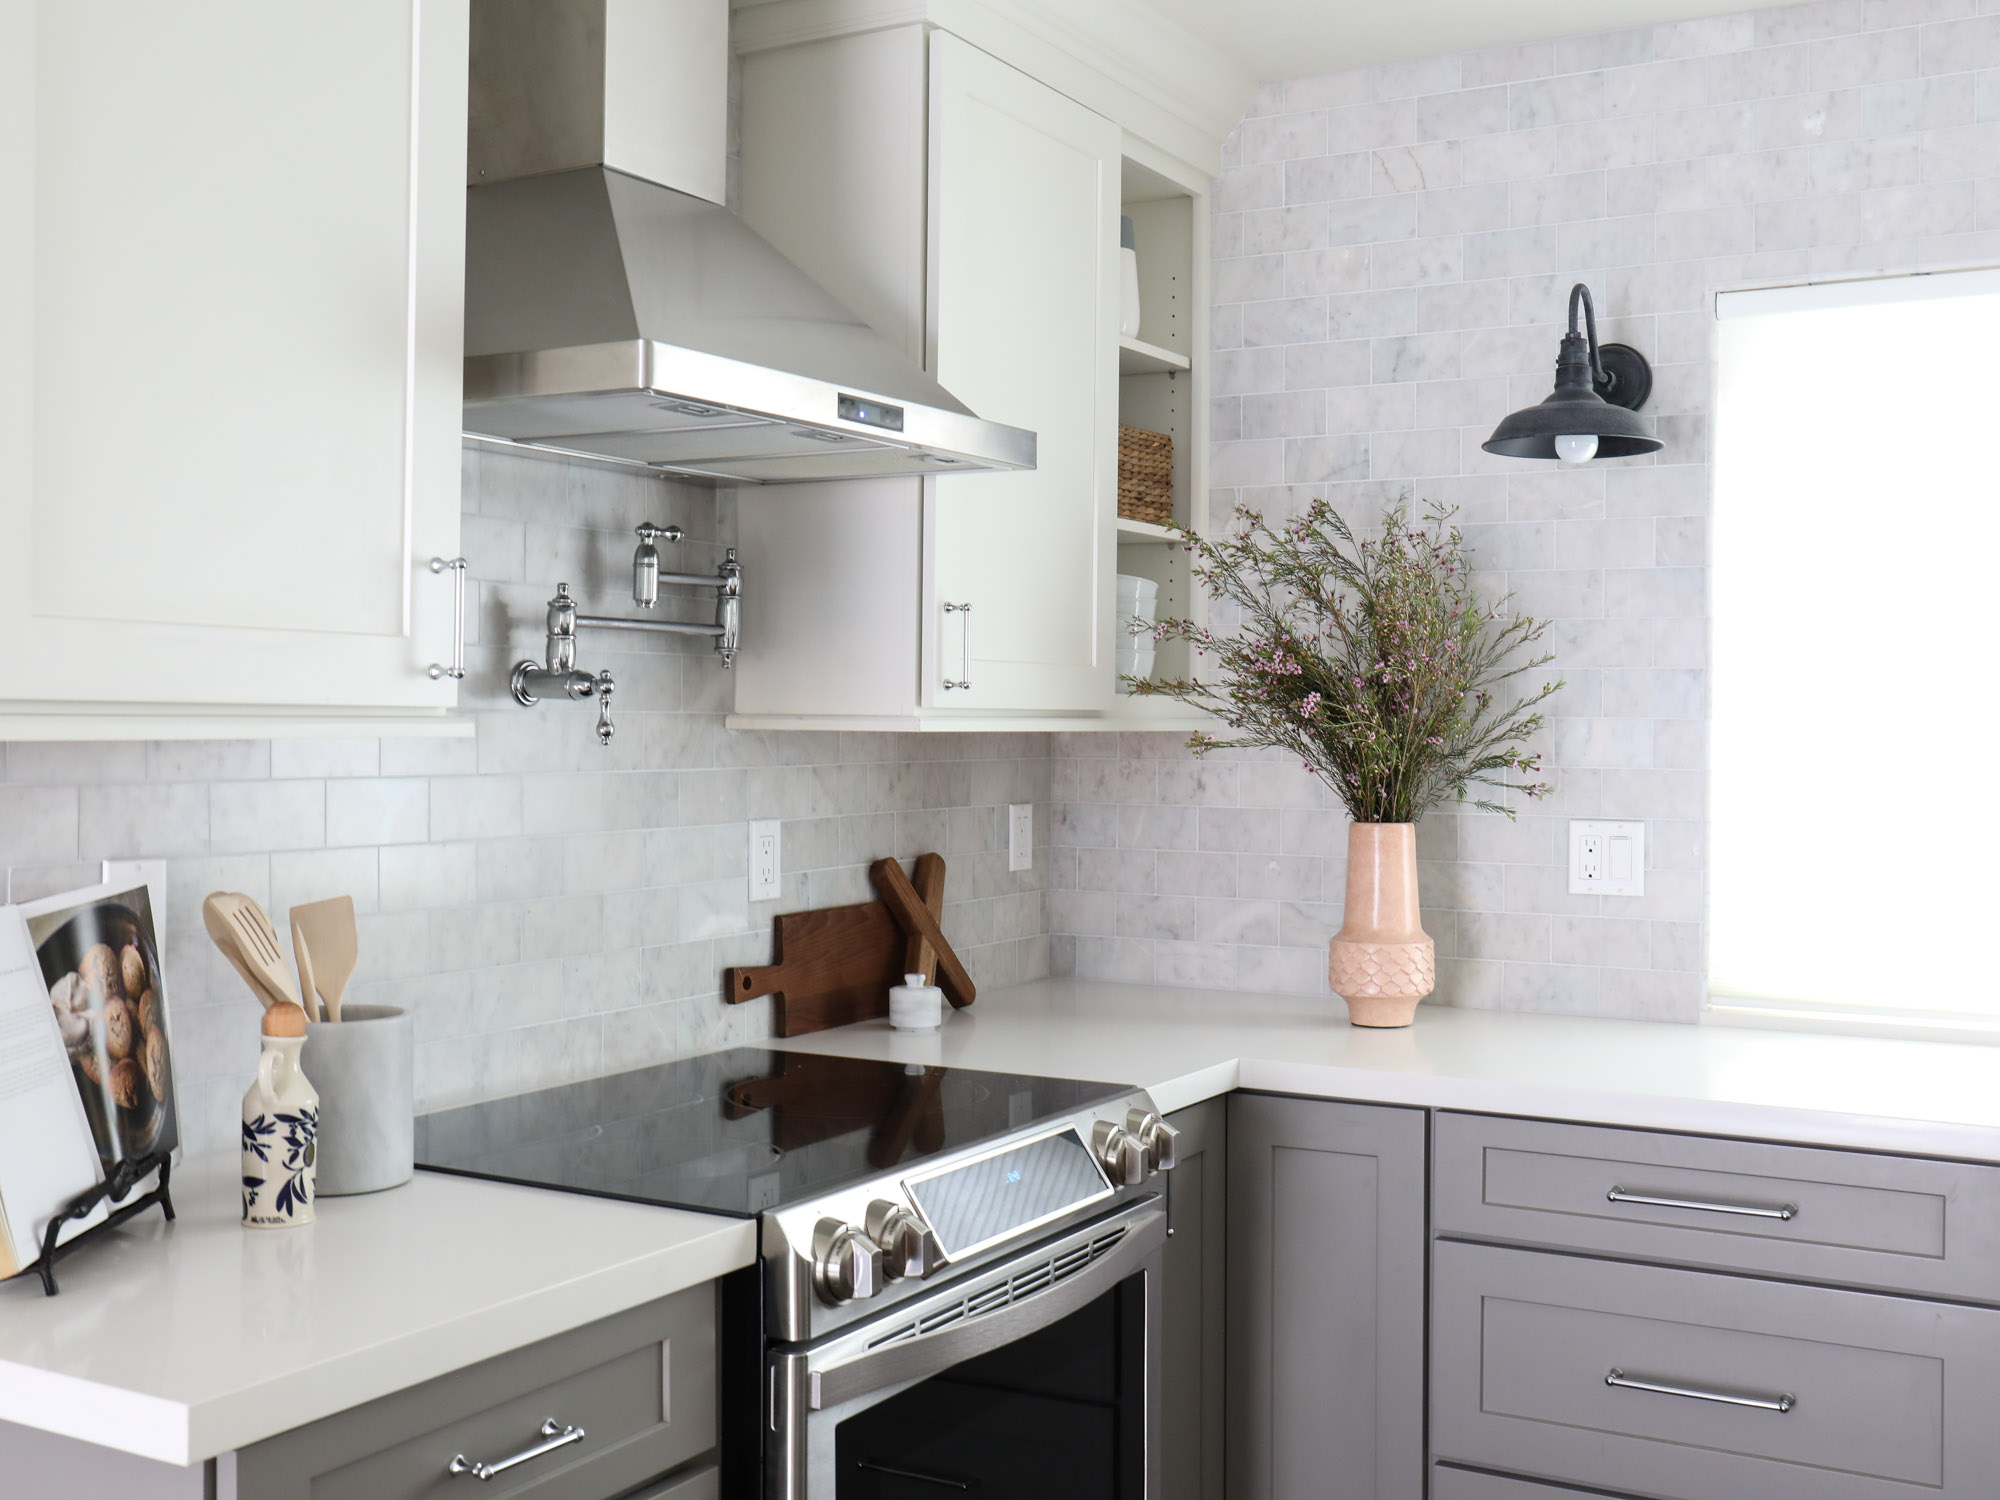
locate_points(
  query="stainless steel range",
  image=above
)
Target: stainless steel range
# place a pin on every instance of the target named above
(959, 1280)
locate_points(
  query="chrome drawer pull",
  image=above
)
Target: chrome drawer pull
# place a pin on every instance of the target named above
(1747, 1210)
(1621, 1381)
(554, 1435)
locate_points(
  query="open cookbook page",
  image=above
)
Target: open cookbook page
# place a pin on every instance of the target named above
(47, 1155)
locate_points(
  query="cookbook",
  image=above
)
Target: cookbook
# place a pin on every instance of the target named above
(86, 1072)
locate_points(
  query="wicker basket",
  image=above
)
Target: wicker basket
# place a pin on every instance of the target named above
(1145, 476)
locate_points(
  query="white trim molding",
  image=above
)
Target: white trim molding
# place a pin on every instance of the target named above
(1116, 57)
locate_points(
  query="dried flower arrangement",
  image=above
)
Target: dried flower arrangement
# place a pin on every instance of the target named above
(1374, 661)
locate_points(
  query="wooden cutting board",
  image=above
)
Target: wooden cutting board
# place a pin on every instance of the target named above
(834, 965)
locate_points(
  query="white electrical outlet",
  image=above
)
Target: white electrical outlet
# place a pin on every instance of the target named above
(1607, 859)
(1021, 836)
(766, 867)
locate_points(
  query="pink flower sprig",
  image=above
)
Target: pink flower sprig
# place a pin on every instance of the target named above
(1371, 658)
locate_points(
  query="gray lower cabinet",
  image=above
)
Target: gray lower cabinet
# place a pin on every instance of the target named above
(1326, 1300)
(1689, 1385)
(1191, 1335)
(641, 1385)
(1897, 1223)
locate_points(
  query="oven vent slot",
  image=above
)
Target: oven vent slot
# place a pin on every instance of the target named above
(984, 1302)
(1030, 1282)
(944, 1317)
(1019, 1288)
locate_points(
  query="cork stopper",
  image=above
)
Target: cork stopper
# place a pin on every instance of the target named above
(284, 1019)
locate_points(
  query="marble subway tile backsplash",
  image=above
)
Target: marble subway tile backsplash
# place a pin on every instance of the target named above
(1393, 251)
(549, 909)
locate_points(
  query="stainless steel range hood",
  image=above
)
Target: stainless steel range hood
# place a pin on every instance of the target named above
(612, 316)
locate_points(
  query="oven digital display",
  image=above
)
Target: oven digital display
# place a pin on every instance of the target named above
(972, 1206)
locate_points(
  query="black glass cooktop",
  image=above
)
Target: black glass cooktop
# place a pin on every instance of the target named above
(740, 1131)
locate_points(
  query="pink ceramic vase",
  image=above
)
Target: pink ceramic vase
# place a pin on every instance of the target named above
(1381, 962)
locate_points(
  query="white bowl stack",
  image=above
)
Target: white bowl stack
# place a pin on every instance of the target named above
(1138, 598)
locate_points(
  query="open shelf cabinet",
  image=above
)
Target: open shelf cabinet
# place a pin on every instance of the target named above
(1162, 387)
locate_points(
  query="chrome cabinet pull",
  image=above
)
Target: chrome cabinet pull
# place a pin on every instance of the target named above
(1619, 1380)
(1746, 1210)
(965, 648)
(457, 668)
(554, 1435)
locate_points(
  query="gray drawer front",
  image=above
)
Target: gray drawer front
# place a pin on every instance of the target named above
(1896, 1223)
(641, 1385)
(1523, 1341)
(1448, 1483)
(704, 1483)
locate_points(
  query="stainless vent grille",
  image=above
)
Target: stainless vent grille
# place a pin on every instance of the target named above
(990, 1298)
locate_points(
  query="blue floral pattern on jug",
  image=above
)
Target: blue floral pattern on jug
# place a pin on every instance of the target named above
(288, 1142)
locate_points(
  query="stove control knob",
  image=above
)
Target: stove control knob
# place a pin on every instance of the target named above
(1121, 1152)
(908, 1246)
(847, 1265)
(1161, 1140)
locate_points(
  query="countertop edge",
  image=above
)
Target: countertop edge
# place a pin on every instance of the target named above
(179, 1433)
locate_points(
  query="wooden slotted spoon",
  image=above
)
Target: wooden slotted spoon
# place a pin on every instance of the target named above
(243, 933)
(327, 927)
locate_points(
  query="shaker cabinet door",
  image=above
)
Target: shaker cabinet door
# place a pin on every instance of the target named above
(1024, 201)
(1191, 1337)
(1326, 1304)
(231, 261)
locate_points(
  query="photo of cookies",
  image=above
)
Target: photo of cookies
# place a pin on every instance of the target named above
(100, 960)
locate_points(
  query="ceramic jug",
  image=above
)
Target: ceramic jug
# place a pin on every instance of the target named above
(280, 1137)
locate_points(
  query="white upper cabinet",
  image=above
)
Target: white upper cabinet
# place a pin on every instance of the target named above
(231, 266)
(956, 177)
(970, 212)
(1024, 224)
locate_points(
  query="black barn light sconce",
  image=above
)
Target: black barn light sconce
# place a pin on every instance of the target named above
(1592, 411)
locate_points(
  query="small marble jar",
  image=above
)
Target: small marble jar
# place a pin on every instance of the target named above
(915, 1005)
(280, 1129)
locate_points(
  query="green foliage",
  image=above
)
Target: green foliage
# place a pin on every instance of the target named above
(1374, 661)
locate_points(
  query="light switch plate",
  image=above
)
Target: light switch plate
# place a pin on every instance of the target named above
(1607, 859)
(766, 868)
(1021, 836)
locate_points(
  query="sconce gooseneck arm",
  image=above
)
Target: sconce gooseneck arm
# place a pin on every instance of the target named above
(1580, 294)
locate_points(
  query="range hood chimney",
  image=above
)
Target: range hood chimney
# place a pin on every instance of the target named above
(614, 309)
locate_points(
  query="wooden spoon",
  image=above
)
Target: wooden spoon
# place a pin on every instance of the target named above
(215, 916)
(329, 927)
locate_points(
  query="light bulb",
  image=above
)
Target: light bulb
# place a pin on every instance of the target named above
(1576, 447)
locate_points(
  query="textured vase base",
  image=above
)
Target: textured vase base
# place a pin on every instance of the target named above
(1381, 982)
(1382, 1011)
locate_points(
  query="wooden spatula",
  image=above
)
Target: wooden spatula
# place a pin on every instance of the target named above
(328, 928)
(243, 933)
(308, 991)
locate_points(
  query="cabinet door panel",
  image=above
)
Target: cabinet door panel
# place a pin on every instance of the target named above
(1024, 205)
(1192, 1333)
(240, 227)
(1326, 1309)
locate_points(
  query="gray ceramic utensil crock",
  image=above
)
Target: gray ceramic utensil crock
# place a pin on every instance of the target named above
(363, 1066)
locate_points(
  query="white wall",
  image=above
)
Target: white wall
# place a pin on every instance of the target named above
(1393, 250)
(550, 909)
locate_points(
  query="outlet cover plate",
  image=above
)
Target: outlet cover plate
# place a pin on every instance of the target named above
(1021, 836)
(766, 861)
(1607, 859)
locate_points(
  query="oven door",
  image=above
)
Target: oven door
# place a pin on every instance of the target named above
(1037, 1376)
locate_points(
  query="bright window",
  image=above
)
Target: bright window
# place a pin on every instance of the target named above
(1853, 833)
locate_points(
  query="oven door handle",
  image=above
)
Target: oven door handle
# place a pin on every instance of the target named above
(930, 1354)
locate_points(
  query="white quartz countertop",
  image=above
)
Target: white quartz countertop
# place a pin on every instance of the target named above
(178, 1343)
(1184, 1045)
